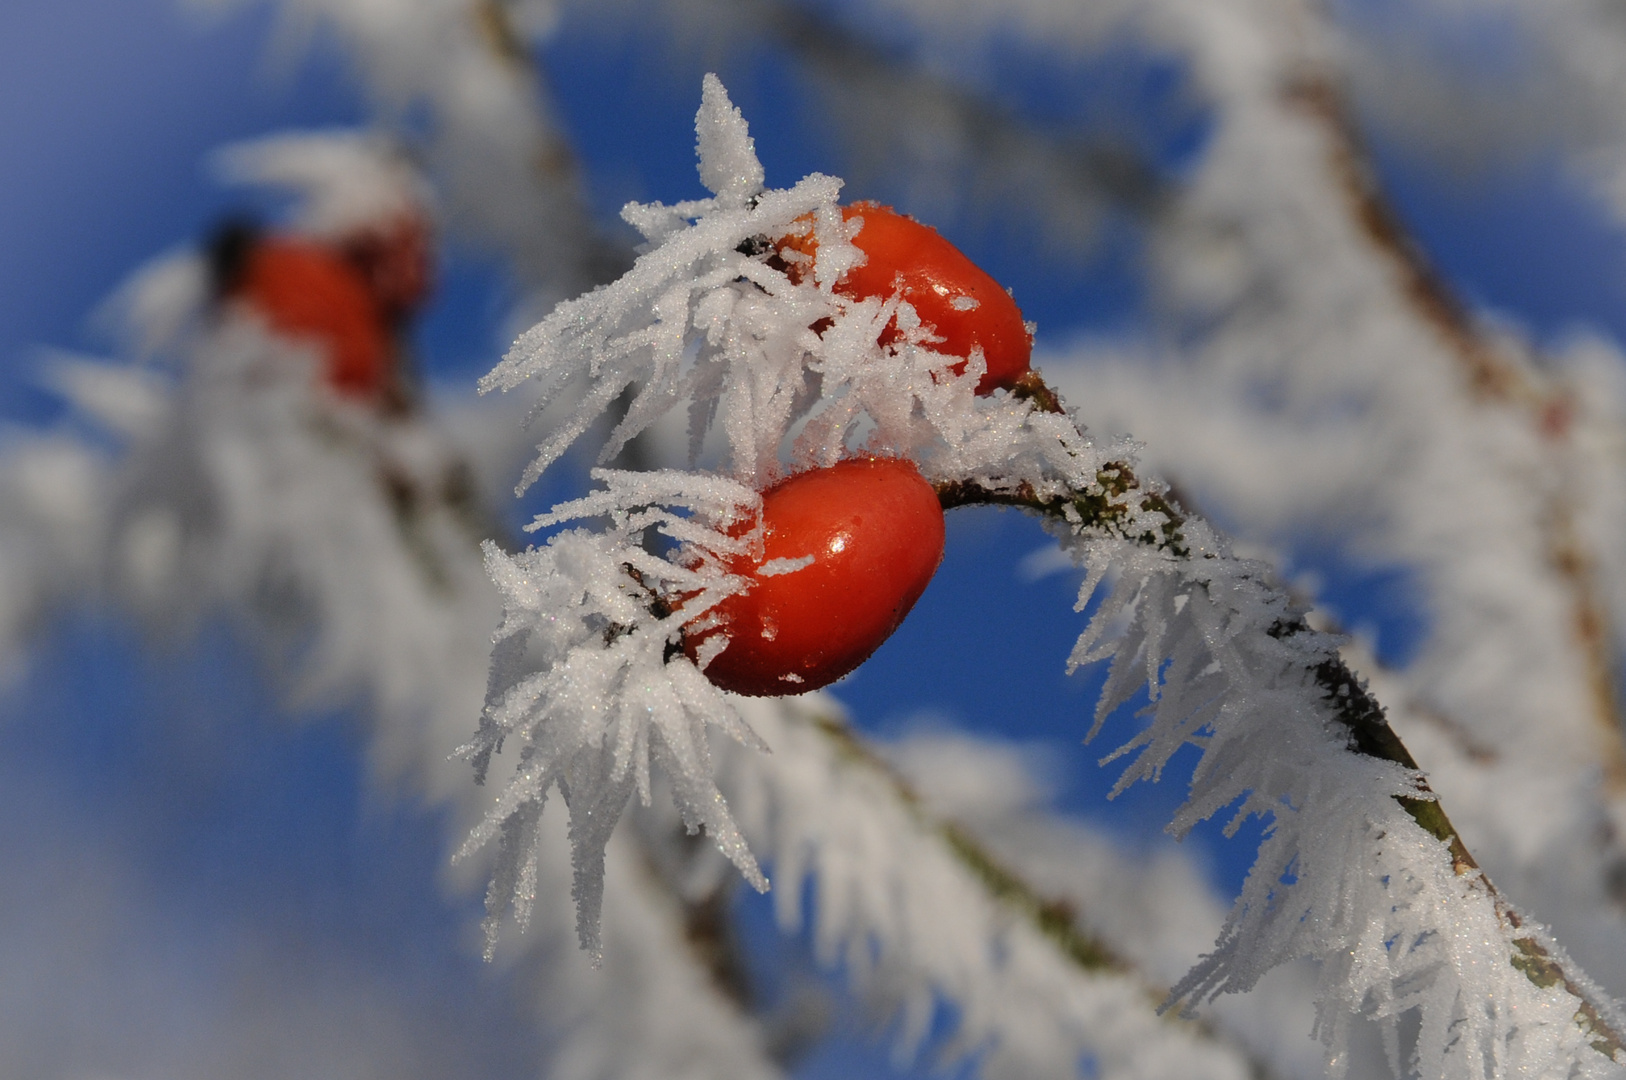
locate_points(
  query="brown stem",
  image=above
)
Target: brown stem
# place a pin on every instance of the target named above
(497, 29)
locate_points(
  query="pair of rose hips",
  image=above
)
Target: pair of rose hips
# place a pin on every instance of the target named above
(848, 549)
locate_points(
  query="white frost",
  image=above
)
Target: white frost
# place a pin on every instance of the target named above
(728, 157)
(581, 685)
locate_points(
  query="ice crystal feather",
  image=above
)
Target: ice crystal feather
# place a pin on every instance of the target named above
(912, 923)
(1344, 874)
(582, 679)
(704, 321)
(581, 686)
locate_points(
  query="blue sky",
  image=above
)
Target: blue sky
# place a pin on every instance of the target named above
(235, 830)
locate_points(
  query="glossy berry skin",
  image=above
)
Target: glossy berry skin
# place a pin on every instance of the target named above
(874, 530)
(314, 295)
(953, 296)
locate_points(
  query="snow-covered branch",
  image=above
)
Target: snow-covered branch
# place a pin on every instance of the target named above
(1214, 643)
(918, 911)
(1360, 867)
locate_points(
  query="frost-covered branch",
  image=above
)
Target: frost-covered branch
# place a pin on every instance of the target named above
(1051, 916)
(779, 371)
(1497, 373)
(1312, 380)
(1152, 900)
(918, 911)
(1086, 516)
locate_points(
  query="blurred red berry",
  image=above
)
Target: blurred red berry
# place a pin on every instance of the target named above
(323, 296)
(309, 293)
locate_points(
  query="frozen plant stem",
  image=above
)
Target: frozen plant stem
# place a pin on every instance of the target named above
(1105, 513)
(1055, 918)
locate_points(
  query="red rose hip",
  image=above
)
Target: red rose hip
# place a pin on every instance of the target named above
(847, 551)
(953, 296)
(312, 294)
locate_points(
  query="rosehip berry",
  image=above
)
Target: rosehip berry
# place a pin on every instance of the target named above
(953, 296)
(310, 294)
(847, 552)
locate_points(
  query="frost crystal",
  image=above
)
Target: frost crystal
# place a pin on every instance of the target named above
(582, 682)
(790, 372)
(1344, 874)
(728, 158)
